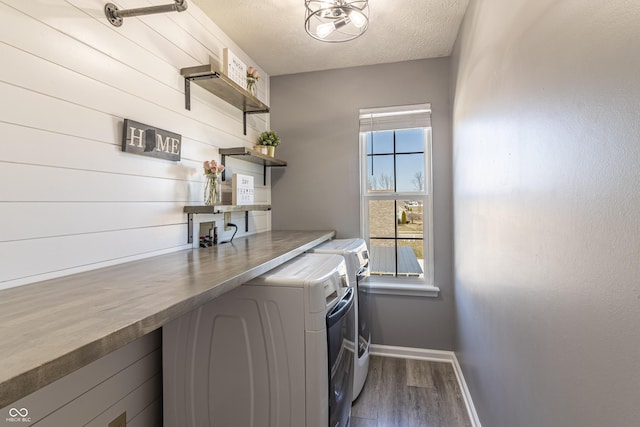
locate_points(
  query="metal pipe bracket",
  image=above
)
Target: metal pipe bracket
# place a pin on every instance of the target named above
(115, 15)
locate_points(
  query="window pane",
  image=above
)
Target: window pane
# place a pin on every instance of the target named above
(380, 173)
(383, 257)
(411, 258)
(382, 142)
(410, 223)
(410, 173)
(382, 218)
(410, 141)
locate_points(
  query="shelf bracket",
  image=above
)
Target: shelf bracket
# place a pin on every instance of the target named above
(244, 122)
(115, 15)
(223, 160)
(244, 118)
(187, 87)
(187, 94)
(189, 228)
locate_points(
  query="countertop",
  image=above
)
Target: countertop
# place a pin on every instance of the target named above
(51, 328)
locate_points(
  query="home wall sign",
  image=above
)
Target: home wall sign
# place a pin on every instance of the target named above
(150, 141)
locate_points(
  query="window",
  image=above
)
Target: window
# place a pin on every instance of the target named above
(396, 200)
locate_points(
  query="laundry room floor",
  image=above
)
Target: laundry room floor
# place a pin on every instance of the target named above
(409, 393)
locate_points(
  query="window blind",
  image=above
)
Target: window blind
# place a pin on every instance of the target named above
(397, 117)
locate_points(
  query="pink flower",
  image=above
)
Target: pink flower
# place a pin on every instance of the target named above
(253, 72)
(212, 166)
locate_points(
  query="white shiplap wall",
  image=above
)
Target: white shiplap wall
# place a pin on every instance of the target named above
(128, 379)
(70, 199)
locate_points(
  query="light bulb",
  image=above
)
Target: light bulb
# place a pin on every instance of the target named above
(357, 19)
(323, 30)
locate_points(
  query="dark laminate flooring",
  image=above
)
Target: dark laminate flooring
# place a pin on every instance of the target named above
(409, 393)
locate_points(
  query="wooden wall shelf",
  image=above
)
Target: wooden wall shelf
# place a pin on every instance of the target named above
(223, 87)
(252, 156)
(218, 209)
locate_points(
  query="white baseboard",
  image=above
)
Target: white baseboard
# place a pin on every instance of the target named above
(466, 395)
(433, 356)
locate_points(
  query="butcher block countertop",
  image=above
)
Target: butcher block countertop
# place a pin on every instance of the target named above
(51, 328)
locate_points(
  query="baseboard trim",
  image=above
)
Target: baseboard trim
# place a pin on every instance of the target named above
(466, 394)
(433, 356)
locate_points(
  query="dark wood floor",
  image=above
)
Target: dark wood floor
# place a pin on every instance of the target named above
(409, 393)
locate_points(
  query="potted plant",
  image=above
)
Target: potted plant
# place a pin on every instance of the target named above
(267, 142)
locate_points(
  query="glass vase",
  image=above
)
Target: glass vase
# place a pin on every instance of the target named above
(252, 87)
(212, 190)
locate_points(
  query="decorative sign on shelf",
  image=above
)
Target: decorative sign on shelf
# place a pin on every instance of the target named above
(234, 68)
(242, 189)
(150, 141)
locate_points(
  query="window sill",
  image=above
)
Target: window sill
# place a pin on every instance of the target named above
(386, 286)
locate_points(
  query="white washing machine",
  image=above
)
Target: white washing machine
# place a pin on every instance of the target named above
(356, 256)
(276, 352)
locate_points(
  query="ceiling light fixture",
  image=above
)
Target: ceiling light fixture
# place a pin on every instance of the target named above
(336, 21)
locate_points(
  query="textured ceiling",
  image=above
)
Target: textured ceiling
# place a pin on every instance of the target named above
(272, 33)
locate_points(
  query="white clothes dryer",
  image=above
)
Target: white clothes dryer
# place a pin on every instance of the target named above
(356, 256)
(275, 352)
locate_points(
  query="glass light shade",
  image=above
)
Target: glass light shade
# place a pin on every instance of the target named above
(336, 20)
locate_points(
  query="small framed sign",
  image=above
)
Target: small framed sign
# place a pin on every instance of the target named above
(234, 68)
(147, 140)
(242, 190)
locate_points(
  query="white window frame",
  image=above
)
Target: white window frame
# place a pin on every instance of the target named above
(424, 286)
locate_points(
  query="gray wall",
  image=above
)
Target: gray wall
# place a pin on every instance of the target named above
(547, 211)
(316, 115)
